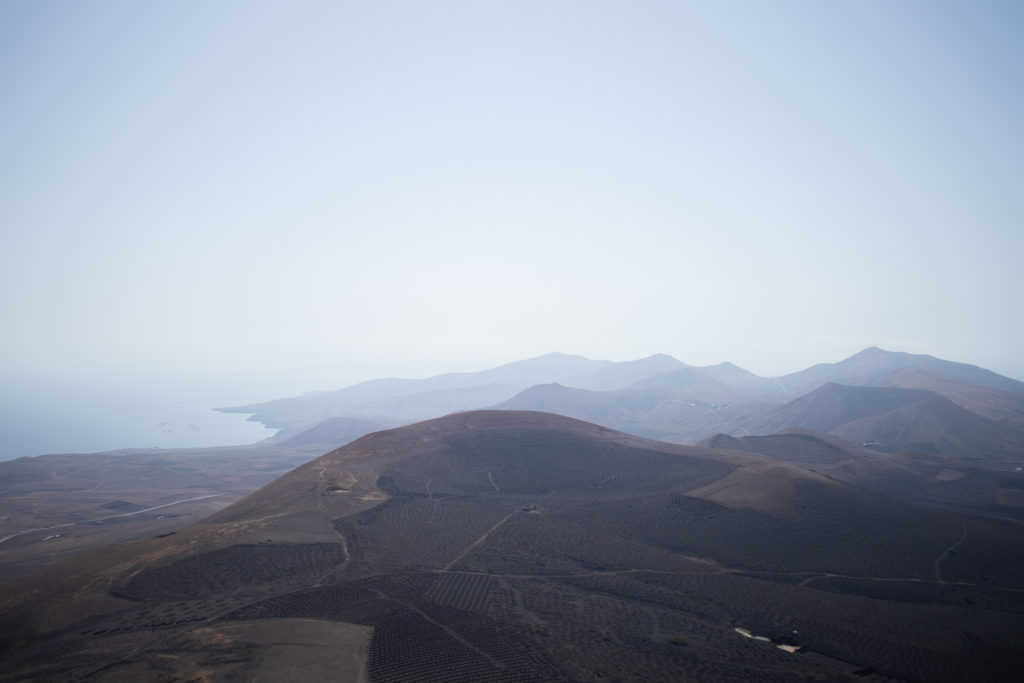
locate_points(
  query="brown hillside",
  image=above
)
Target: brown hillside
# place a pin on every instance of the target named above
(921, 478)
(1003, 407)
(895, 420)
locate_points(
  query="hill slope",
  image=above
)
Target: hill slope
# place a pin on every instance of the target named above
(921, 478)
(895, 420)
(998, 405)
(877, 367)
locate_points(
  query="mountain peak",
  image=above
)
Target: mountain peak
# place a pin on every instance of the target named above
(660, 357)
(621, 375)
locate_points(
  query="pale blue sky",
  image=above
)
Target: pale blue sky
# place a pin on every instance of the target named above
(356, 189)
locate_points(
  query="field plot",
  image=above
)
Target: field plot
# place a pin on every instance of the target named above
(418, 532)
(608, 635)
(415, 638)
(239, 567)
(570, 535)
(417, 645)
(897, 638)
(825, 530)
(463, 591)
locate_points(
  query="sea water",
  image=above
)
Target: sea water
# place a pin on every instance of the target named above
(85, 417)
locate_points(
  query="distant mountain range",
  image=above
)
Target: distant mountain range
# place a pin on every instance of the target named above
(895, 420)
(399, 401)
(889, 401)
(934, 480)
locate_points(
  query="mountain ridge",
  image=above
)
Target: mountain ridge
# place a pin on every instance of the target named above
(663, 398)
(893, 419)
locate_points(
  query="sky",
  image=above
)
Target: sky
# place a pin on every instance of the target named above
(253, 199)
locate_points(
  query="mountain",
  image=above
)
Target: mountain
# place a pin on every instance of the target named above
(734, 376)
(668, 400)
(618, 410)
(921, 478)
(517, 546)
(692, 383)
(684, 404)
(328, 435)
(876, 367)
(427, 404)
(895, 420)
(622, 375)
(1004, 407)
(671, 412)
(420, 397)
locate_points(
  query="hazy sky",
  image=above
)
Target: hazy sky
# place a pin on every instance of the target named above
(356, 189)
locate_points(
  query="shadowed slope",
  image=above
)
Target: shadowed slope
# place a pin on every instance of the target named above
(1001, 406)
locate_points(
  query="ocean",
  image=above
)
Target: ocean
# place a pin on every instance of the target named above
(86, 417)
